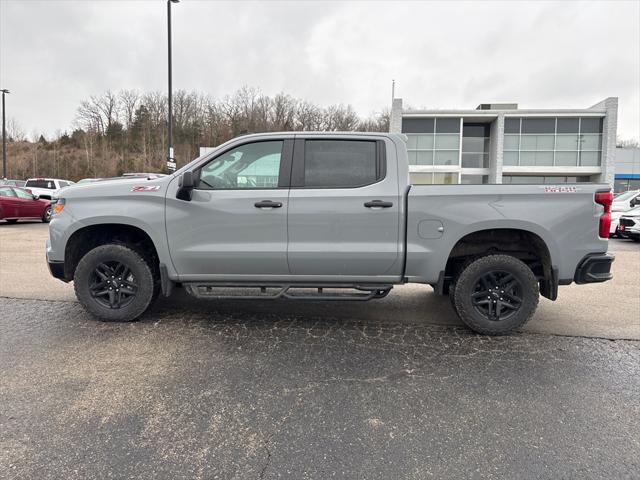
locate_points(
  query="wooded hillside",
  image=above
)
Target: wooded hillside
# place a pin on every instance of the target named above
(126, 131)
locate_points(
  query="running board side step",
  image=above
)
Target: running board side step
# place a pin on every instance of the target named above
(292, 292)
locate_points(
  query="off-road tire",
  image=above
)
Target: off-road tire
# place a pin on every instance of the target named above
(465, 288)
(140, 269)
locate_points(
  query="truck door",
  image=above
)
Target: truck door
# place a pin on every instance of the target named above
(236, 222)
(344, 209)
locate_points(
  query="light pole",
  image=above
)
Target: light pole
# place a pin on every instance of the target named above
(4, 136)
(171, 163)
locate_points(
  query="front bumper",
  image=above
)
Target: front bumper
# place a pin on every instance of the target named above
(57, 270)
(594, 268)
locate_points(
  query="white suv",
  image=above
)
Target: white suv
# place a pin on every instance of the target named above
(46, 187)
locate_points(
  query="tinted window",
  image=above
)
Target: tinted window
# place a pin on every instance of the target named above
(591, 125)
(511, 125)
(6, 192)
(339, 163)
(417, 125)
(41, 184)
(476, 130)
(253, 165)
(448, 125)
(538, 125)
(567, 125)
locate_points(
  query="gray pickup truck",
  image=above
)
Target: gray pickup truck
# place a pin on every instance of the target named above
(326, 216)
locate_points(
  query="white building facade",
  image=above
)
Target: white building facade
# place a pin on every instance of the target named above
(499, 143)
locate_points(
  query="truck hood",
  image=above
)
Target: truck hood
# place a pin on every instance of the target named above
(116, 187)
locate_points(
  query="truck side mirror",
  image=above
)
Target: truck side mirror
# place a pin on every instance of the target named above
(185, 186)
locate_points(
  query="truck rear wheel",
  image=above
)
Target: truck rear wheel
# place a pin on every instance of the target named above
(496, 294)
(114, 283)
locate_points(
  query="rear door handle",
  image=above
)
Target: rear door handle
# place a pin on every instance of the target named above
(378, 204)
(267, 204)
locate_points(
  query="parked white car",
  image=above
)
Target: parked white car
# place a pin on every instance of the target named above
(46, 187)
(625, 201)
(630, 224)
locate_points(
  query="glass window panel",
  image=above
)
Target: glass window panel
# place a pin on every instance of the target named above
(590, 125)
(511, 142)
(567, 142)
(448, 142)
(475, 144)
(424, 157)
(476, 129)
(511, 125)
(537, 142)
(447, 125)
(474, 179)
(339, 163)
(526, 179)
(538, 125)
(412, 142)
(544, 158)
(510, 158)
(590, 142)
(445, 178)
(425, 142)
(475, 160)
(589, 159)
(527, 158)
(620, 186)
(568, 125)
(567, 159)
(419, 178)
(412, 157)
(446, 157)
(417, 125)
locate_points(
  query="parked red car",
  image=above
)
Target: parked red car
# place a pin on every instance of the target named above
(16, 204)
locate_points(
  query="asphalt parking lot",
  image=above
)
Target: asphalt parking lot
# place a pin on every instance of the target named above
(242, 389)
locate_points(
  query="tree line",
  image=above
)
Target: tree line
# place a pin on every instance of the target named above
(126, 131)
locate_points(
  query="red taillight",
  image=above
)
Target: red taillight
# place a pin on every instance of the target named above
(605, 199)
(28, 190)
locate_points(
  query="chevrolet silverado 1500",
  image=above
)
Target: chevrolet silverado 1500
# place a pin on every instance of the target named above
(330, 216)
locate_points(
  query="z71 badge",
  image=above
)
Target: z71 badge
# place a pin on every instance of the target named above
(145, 188)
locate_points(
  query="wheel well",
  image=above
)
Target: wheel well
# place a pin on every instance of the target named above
(522, 244)
(88, 238)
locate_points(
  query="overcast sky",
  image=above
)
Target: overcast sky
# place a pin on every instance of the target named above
(54, 54)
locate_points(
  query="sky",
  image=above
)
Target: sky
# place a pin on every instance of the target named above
(455, 54)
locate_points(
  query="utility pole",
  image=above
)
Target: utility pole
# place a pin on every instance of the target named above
(4, 136)
(171, 162)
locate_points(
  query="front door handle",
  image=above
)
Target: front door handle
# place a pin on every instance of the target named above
(267, 204)
(378, 204)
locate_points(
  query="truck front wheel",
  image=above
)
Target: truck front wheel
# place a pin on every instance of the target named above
(114, 283)
(496, 294)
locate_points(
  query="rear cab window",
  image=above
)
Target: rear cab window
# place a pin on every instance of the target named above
(41, 183)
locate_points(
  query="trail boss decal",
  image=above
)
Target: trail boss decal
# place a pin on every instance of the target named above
(145, 188)
(559, 189)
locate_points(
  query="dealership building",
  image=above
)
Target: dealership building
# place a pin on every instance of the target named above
(500, 143)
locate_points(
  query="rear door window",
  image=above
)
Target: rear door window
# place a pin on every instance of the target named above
(341, 163)
(6, 192)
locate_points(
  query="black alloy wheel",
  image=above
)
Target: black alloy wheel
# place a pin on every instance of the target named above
(113, 285)
(497, 295)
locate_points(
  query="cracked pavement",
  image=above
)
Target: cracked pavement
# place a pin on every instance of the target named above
(200, 389)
